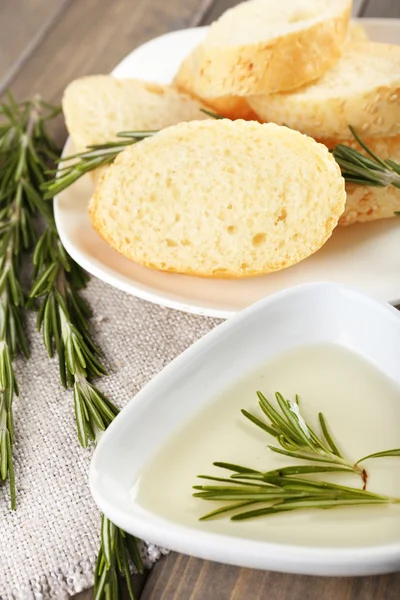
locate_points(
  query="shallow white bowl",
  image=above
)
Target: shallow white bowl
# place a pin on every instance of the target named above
(365, 255)
(312, 313)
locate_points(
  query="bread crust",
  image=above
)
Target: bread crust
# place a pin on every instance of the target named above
(281, 64)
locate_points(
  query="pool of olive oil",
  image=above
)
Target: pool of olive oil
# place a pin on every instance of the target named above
(362, 409)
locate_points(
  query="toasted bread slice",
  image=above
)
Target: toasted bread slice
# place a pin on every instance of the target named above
(98, 107)
(362, 90)
(220, 198)
(267, 46)
(356, 33)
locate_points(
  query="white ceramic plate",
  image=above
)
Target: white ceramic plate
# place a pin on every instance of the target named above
(314, 313)
(363, 255)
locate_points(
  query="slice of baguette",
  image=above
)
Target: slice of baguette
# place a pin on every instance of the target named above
(97, 107)
(365, 203)
(231, 107)
(234, 107)
(267, 46)
(362, 90)
(220, 198)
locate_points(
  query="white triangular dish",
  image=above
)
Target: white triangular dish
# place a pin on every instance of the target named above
(309, 314)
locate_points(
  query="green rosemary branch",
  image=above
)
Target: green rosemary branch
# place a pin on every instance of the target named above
(63, 318)
(357, 168)
(295, 436)
(367, 170)
(298, 440)
(25, 148)
(97, 155)
(118, 549)
(280, 490)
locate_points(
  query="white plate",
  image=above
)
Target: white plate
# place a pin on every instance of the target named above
(314, 313)
(363, 255)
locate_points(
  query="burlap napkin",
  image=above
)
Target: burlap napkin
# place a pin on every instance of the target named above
(48, 545)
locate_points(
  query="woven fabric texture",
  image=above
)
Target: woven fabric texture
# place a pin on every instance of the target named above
(48, 546)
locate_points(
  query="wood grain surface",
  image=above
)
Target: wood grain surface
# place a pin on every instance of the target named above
(20, 36)
(220, 6)
(44, 44)
(382, 9)
(179, 577)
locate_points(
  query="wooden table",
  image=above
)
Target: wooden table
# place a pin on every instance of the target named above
(44, 44)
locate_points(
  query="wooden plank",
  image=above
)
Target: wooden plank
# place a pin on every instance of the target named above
(94, 35)
(220, 6)
(22, 26)
(382, 8)
(179, 577)
(358, 6)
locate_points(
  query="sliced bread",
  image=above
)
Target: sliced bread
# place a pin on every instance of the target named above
(97, 107)
(231, 107)
(362, 90)
(220, 198)
(356, 33)
(266, 46)
(234, 107)
(366, 203)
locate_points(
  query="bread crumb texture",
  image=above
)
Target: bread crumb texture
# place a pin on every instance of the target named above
(356, 33)
(220, 198)
(98, 107)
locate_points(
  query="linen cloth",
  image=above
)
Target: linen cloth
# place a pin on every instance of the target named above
(48, 546)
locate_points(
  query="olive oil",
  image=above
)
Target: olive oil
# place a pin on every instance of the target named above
(362, 408)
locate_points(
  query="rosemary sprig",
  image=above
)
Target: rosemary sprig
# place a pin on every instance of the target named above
(280, 489)
(280, 492)
(63, 317)
(25, 147)
(295, 436)
(118, 549)
(96, 156)
(357, 168)
(298, 440)
(367, 170)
